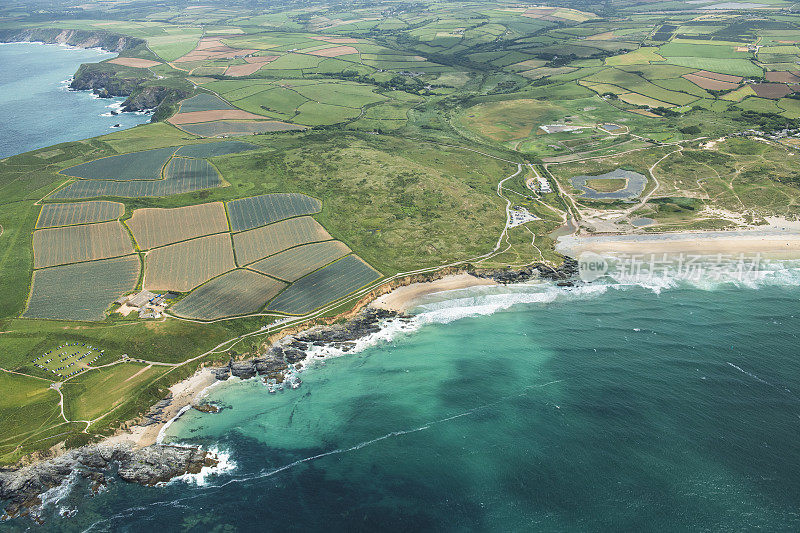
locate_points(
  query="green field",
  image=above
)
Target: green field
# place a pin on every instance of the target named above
(81, 291)
(73, 244)
(325, 285)
(146, 165)
(206, 150)
(297, 262)
(236, 293)
(249, 213)
(54, 215)
(254, 244)
(185, 265)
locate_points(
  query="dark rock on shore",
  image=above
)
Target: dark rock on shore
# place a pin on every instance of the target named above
(291, 350)
(21, 488)
(564, 275)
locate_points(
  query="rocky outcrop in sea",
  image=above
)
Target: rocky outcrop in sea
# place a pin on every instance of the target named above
(564, 275)
(295, 348)
(21, 489)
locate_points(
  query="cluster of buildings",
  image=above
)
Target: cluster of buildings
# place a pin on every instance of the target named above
(148, 304)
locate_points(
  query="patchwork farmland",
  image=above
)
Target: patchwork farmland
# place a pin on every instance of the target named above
(149, 173)
(73, 244)
(325, 285)
(185, 265)
(255, 244)
(81, 291)
(238, 292)
(154, 227)
(249, 213)
(71, 214)
(295, 263)
(145, 165)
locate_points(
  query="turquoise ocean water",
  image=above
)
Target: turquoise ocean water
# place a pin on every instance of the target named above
(527, 408)
(36, 108)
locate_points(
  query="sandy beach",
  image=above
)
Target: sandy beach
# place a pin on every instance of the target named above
(186, 392)
(403, 298)
(190, 390)
(780, 244)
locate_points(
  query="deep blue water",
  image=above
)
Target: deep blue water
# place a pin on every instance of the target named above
(37, 110)
(600, 409)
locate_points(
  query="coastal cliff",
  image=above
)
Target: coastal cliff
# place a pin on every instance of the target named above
(139, 86)
(22, 489)
(112, 42)
(107, 80)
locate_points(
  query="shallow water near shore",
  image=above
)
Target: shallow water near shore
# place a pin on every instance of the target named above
(594, 408)
(37, 110)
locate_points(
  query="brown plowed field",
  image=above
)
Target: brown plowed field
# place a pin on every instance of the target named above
(335, 51)
(257, 243)
(133, 62)
(72, 244)
(771, 90)
(243, 70)
(708, 83)
(212, 49)
(782, 77)
(185, 265)
(153, 227)
(194, 117)
(718, 76)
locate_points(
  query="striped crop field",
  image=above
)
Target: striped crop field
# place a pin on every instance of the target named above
(182, 176)
(204, 102)
(258, 243)
(185, 265)
(144, 165)
(54, 215)
(231, 127)
(294, 263)
(153, 227)
(215, 149)
(236, 293)
(72, 244)
(249, 213)
(325, 285)
(81, 291)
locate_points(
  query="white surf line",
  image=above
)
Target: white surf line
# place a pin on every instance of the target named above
(392, 434)
(204, 490)
(763, 381)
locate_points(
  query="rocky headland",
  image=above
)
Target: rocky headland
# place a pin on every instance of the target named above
(112, 42)
(294, 349)
(142, 89)
(21, 489)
